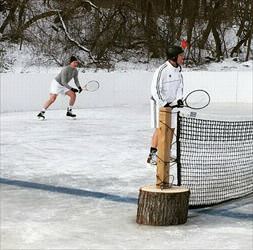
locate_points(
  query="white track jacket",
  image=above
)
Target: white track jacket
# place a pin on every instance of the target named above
(167, 84)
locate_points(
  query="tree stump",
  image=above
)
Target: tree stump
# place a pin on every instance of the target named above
(163, 207)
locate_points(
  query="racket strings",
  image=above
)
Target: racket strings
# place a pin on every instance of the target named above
(91, 86)
(197, 99)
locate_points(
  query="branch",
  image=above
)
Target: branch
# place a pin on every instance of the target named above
(74, 41)
(38, 17)
(91, 4)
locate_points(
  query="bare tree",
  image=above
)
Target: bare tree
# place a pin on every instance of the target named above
(244, 19)
(103, 32)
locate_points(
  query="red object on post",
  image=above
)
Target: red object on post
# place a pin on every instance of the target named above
(184, 44)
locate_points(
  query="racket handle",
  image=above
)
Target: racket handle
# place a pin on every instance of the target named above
(174, 106)
(180, 104)
(167, 105)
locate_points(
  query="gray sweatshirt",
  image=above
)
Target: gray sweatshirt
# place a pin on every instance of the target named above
(66, 74)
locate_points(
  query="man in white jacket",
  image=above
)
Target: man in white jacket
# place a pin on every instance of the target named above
(166, 90)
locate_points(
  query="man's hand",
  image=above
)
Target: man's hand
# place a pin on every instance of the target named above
(167, 105)
(180, 103)
(74, 90)
(80, 89)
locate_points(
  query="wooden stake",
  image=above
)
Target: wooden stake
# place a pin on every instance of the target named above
(164, 144)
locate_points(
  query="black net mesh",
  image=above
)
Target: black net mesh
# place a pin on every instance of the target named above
(215, 159)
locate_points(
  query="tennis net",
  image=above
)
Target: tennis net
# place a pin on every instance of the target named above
(214, 159)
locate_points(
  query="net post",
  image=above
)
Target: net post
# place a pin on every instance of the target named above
(164, 141)
(178, 150)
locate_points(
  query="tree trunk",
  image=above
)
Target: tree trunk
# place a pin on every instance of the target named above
(217, 42)
(162, 207)
(239, 44)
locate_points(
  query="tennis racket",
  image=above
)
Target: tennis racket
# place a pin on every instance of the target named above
(91, 86)
(197, 99)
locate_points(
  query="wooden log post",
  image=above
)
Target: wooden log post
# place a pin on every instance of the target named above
(162, 207)
(163, 204)
(163, 152)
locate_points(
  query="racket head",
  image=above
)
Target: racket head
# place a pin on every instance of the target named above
(91, 86)
(197, 99)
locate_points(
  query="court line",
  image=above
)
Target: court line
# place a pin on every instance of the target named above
(215, 211)
(71, 191)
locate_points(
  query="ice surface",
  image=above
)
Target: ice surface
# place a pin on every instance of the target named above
(73, 184)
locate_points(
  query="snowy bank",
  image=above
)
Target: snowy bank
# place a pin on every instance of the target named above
(28, 91)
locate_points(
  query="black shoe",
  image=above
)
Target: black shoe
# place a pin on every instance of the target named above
(41, 115)
(152, 158)
(70, 114)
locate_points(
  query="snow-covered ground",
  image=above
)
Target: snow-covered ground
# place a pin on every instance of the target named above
(23, 61)
(226, 65)
(73, 184)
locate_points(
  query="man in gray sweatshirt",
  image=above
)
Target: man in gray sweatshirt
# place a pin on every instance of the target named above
(60, 85)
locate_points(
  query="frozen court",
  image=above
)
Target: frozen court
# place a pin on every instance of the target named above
(74, 184)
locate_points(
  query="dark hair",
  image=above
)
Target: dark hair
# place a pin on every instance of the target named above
(72, 59)
(173, 52)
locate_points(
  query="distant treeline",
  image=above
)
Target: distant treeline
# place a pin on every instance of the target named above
(106, 31)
